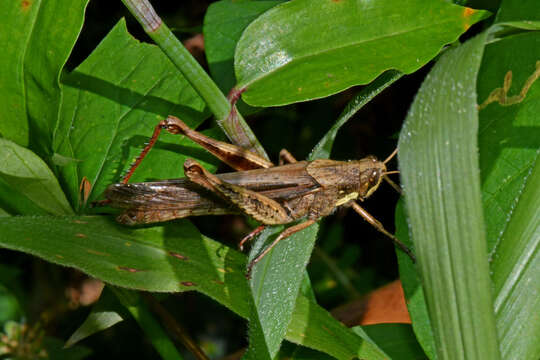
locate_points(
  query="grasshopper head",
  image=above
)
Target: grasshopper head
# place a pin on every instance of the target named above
(371, 175)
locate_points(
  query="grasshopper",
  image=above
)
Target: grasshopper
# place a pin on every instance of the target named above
(272, 195)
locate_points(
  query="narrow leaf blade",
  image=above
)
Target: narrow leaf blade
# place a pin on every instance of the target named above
(439, 164)
(275, 285)
(515, 270)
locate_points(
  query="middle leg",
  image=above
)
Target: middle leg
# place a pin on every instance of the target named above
(284, 234)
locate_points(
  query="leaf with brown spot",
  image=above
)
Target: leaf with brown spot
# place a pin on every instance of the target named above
(128, 269)
(46, 237)
(178, 256)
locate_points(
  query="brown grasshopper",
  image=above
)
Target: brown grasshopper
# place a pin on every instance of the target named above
(270, 194)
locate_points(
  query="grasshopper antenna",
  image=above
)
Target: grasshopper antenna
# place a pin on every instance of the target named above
(385, 175)
(391, 156)
(392, 184)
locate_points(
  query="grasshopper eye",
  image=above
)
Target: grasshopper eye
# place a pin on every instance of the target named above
(374, 178)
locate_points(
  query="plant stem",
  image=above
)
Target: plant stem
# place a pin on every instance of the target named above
(235, 126)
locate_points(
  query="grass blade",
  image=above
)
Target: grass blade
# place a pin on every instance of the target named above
(440, 174)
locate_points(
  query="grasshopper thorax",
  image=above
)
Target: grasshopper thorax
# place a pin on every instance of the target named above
(353, 179)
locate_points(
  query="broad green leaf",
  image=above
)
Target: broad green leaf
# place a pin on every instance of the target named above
(307, 49)
(224, 23)
(112, 102)
(171, 258)
(25, 172)
(37, 38)
(278, 275)
(523, 14)
(509, 139)
(440, 175)
(151, 259)
(16, 203)
(15, 32)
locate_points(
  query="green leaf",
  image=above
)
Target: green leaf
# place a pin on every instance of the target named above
(26, 173)
(224, 23)
(508, 134)
(515, 275)
(509, 139)
(104, 314)
(16, 203)
(38, 37)
(397, 340)
(153, 259)
(277, 276)
(112, 102)
(95, 322)
(412, 287)
(149, 259)
(508, 143)
(307, 49)
(523, 14)
(440, 175)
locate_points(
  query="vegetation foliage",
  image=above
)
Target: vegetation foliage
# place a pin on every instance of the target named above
(73, 119)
